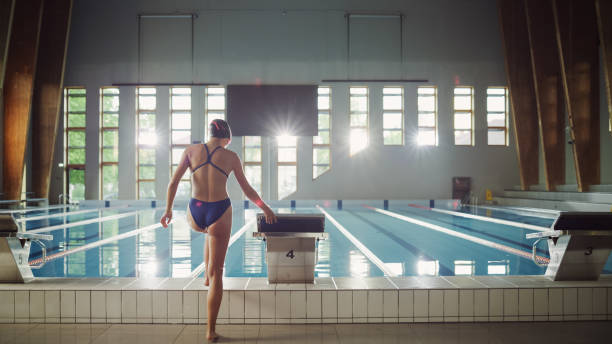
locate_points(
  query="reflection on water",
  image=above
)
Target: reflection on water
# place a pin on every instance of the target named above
(359, 264)
(498, 267)
(428, 267)
(180, 237)
(146, 261)
(465, 267)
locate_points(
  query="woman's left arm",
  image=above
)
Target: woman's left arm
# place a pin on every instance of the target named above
(172, 186)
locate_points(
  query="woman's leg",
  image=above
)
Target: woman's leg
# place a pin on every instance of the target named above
(206, 249)
(218, 236)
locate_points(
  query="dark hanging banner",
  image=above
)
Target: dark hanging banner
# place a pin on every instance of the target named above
(272, 110)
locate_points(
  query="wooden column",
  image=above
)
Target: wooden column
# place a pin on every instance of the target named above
(6, 19)
(515, 40)
(48, 86)
(604, 21)
(18, 85)
(548, 89)
(577, 42)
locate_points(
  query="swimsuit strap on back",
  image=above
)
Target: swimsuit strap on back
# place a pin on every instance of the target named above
(209, 161)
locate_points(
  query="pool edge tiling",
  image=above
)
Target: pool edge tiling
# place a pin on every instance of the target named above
(329, 300)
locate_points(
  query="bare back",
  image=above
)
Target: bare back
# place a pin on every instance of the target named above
(208, 183)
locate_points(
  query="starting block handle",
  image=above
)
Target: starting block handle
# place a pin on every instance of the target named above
(534, 255)
(44, 255)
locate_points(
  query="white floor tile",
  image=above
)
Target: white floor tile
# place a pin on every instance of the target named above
(585, 301)
(555, 301)
(98, 304)
(190, 305)
(525, 302)
(128, 305)
(570, 301)
(113, 304)
(360, 304)
(251, 304)
(67, 303)
(224, 309)
(37, 304)
(202, 306)
(313, 304)
(390, 303)
(599, 301)
(22, 304)
(451, 303)
(540, 302)
(160, 304)
(510, 303)
(298, 304)
(329, 303)
(83, 304)
(267, 304)
(345, 304)
(466, 302)
(236, 304)
(7, 308)
(175, 305)
(406, 303)
(375, 303)
(496, 302)
(283, 304)
(436, 303)
(421, 304)
(52, 304)
(144, 305)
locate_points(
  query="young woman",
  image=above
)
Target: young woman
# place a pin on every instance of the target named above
(210, 209)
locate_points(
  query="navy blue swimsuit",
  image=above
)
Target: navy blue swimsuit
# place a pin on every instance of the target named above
(206, 213)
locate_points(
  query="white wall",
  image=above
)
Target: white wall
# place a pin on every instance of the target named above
(443, 41)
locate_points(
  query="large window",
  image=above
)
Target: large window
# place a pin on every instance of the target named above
(74, 141)
(146, 104)
(463, 106)
(109, 143)
(427, 110)
(393, 116)
(180, 123)
(358, 119)
(287, 165)
(497, 116)
(321, 152)
(253, 162)
(215, 106)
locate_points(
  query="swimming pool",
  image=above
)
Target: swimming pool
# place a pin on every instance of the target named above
(366, 238)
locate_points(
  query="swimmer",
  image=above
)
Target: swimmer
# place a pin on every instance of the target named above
(210, 210)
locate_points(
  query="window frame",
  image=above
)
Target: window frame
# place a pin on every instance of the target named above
(140, 146)
(67, 129)
(435, 114)
(352, 113)
(173, 145)
(252, 162)
(208, 111)
(470, 112)
(506, 116)
(286, 163)
(104, 129)
(316, 146)
(400, 111)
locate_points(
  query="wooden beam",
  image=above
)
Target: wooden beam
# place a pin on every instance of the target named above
(18, 85)
(6, 19)
(548, 89)
(48, 87)
(577, 43)
(604, 21)
(515, 41)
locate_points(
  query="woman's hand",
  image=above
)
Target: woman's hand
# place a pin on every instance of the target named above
(270, 216)
(166, 218)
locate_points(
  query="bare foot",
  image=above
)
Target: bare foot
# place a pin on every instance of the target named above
(206, 282)
(212, 337)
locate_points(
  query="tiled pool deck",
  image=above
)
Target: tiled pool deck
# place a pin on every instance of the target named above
(329, 300)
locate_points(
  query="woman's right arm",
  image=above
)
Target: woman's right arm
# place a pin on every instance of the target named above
(249, 192)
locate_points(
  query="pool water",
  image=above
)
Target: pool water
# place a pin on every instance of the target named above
(406, 249)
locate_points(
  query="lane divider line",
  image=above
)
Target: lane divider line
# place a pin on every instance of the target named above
(52, 207)
(491, 219)
(96, 243)
(474, 239)
(64, 214)
(200, 268)
(86, 222)
(366, 252)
